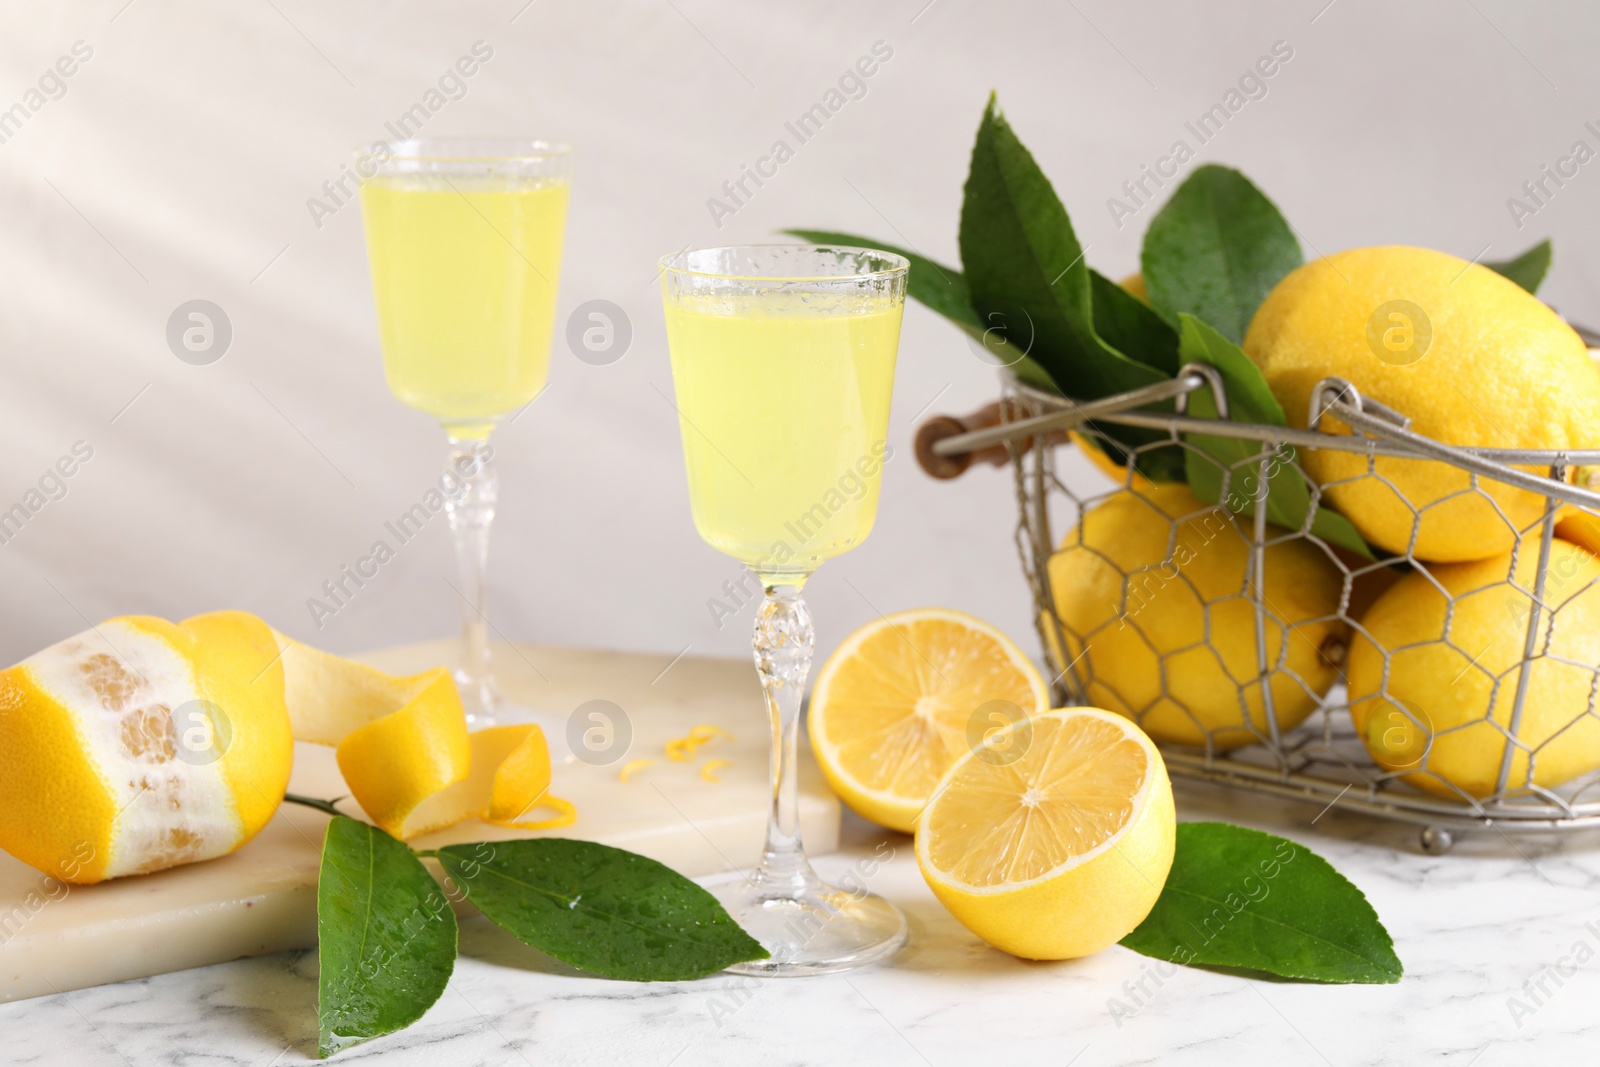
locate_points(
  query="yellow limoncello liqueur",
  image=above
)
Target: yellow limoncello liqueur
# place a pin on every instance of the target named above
(784, 412)
(464, 273)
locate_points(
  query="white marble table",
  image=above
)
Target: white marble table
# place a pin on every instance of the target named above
(1472, 928)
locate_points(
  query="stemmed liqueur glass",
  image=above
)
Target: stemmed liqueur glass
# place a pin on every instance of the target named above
(783, 364)
(464, 243)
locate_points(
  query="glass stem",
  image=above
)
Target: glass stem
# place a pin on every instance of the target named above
(783, 645)
(473, 486)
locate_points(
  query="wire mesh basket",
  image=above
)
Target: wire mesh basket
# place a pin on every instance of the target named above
(1268, 658)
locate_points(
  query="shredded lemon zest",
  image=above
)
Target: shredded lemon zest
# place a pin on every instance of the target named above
(680, 749)
(631, 766)
(567, 814)
(708, 769)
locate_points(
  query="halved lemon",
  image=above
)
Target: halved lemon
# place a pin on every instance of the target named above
(904, 697)
(1052, 840)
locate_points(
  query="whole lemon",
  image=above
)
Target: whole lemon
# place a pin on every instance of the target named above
(1453, 643)
(1579, 527)
(1153, 593)
(1469, 355)
(1104, 463)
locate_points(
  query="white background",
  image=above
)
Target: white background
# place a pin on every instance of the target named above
(179, 162)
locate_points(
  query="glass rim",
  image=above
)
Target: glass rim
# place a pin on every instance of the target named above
(458, 148)
(668, 264)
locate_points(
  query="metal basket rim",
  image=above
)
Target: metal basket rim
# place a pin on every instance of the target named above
(1223, 427)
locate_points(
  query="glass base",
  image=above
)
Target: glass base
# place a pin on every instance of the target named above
(808, 926)
(486, 708)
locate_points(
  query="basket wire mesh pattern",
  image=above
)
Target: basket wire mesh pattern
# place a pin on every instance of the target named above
(1292, 734)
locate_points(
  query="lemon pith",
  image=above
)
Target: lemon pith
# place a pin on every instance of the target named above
(894, 706)
(1057, 852)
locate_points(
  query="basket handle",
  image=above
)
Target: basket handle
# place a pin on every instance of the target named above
(946, 445)
(945, 466)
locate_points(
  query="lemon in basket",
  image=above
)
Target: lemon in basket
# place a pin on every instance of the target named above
(1455, 660)
(903, 697)
(1468, 355)
(1152, 590)
(1053, 840)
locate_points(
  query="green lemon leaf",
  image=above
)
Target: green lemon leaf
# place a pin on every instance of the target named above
(1243, 898)
(1289, 500)
(939, 288)
(1028, 281)
(1132, 326)
(1527, 270)
(600, 909)
(386, 937)
(1216, 249)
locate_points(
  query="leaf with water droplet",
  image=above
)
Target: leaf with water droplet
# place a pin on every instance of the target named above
(386, 937)
(1245, 899)
(600, 909)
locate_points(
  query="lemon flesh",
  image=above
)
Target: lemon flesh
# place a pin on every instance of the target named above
(1472, 358)
(1054, 840)
(900, 699)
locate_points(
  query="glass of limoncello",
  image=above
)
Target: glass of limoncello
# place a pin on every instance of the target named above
(464, 243)
(783, 362)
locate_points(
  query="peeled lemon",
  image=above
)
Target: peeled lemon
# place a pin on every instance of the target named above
(904, 696)
(142, 744)
(1054, 839)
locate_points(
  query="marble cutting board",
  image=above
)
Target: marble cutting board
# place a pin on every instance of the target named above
(262, 899)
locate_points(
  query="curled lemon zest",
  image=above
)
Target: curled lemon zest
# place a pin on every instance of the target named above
(631, 766)
(711, 766)
(566, 815)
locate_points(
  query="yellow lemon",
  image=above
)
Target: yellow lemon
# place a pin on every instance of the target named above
(141, 744)
(1469, 355)
(1104, 463)
(1443, 712)
(1580, 528)
(1052, 841)
(1152, 593)
(903, 697)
